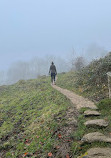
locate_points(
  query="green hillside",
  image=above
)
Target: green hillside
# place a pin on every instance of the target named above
(28, 118)
(32, 112)
(90, 81)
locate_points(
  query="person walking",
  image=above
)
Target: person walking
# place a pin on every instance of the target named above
(53, 72)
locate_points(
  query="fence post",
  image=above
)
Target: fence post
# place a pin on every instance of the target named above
(109, 83)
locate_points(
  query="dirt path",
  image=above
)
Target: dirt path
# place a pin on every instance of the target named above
(77, 100)
(65, 134)
(71, 116)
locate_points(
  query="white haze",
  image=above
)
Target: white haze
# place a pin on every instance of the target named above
(32, 69)
(39, 66)
(33, 33)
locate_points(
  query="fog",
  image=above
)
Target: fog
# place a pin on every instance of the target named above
(35, 33)
(39, 66)
(22, 70)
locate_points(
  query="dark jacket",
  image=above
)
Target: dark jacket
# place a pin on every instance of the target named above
(52, 69)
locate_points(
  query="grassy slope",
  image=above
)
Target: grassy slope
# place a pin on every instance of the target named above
(28, 112)
(80, 82)
(90, 82)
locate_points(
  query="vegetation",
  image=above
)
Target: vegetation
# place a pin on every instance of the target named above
(29, 112)
(81, 149)
(90, 81)
(28, 118)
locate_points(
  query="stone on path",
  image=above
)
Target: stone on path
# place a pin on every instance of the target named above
(91, 113)
(99, 153)
(97, 122)
(72, 121)
(95, 137)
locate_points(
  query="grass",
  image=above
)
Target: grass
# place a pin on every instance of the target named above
(90, 82)
(105, 110)
(28, 112)
(82, 84)
(72, 81)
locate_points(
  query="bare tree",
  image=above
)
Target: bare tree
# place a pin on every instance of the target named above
(79, 63)
(71, 59)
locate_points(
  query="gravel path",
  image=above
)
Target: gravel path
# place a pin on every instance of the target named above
(77, 100)
(80, 102)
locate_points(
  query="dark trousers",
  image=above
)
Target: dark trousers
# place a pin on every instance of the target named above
(53, 77)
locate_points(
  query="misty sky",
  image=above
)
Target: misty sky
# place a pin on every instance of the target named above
(30, 28)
